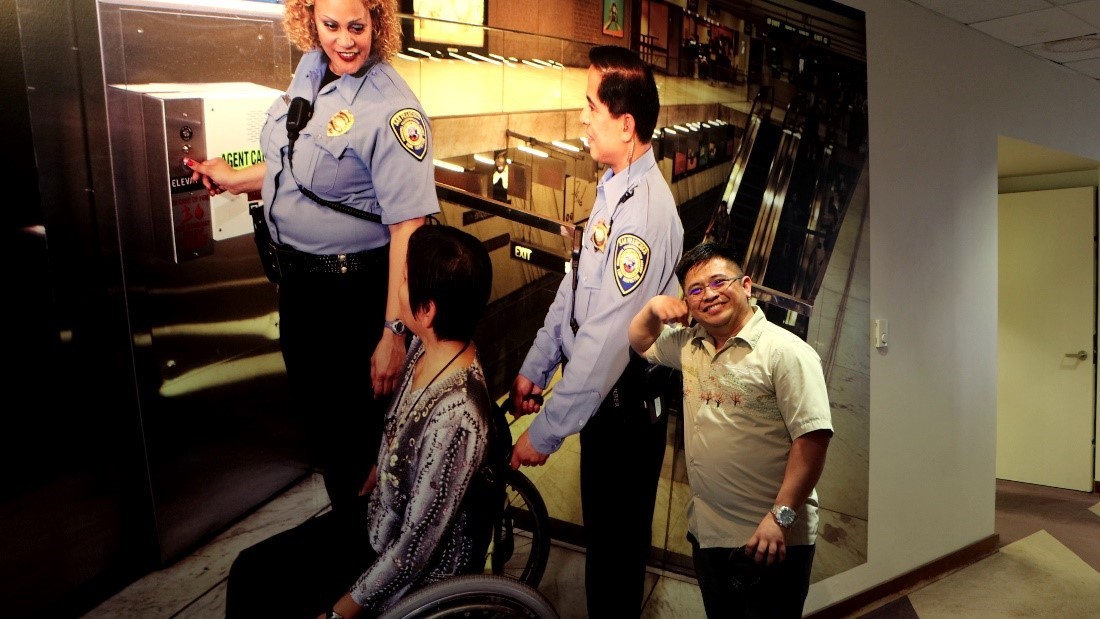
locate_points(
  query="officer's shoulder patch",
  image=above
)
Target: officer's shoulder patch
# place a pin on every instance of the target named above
(409, 127)
(631, 260)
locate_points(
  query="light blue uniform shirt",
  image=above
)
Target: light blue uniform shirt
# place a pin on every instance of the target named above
(635, 262)
(367, 146)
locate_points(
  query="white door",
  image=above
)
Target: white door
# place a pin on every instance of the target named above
(1046, 316)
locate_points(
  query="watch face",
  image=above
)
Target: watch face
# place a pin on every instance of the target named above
(396, 326)
(784, 515)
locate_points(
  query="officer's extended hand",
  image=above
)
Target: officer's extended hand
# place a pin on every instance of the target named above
(217, 176)
(523, 454)
(523, 396)
(386, 362)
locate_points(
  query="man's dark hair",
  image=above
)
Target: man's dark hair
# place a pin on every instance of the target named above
(627, 87)
(453, 269)
(701, 253)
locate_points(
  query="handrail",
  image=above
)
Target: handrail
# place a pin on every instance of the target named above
(572, 231)
(500, 209)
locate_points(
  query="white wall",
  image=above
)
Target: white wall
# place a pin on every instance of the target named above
(939, 94)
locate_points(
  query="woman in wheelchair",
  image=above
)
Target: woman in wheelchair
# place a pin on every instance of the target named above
(428, 513)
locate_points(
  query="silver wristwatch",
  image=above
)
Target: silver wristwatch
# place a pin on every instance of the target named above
(784, 516)
(396, 326)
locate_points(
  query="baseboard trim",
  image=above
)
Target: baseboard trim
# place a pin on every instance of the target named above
(905, 584)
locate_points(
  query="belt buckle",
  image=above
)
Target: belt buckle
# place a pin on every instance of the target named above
(342, 262)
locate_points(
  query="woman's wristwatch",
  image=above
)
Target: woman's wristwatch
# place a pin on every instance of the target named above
(396, 326)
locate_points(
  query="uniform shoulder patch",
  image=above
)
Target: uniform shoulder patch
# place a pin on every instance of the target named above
(631, 260)
(409, 127)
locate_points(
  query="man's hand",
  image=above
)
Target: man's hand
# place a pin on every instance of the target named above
(768, 545)
(523, 397)
(386, 362)
(523, 454)
(647, 323)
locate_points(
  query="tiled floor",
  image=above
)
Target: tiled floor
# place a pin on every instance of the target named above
(1036, 575)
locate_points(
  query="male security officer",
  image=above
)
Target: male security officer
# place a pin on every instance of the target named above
(630, 248)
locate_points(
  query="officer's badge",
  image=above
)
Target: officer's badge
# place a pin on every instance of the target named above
(339, 123)
(631, 260)
(409, 127)
(599, 235)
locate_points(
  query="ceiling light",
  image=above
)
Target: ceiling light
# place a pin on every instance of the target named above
(478, 157)
(534, 151)
(566, 146)
(446, 165)
(1073, 45)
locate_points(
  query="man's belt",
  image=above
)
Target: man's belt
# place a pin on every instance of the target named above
(291, 260)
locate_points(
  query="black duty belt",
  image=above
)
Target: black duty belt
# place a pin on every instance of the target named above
(293, 261)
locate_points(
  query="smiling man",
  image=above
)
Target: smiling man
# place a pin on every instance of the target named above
(757, 428)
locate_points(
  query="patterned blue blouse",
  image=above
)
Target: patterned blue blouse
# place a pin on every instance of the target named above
(435, 441)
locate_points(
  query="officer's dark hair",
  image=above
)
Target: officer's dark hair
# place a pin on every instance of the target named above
(453, 269)
(627, 87)
(701, 253)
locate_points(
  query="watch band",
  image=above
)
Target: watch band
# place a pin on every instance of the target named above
(395, 325)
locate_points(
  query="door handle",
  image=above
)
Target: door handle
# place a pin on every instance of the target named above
(1080, 355)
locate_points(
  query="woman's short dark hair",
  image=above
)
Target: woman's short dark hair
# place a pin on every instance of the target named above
(453, 269)
(627, 87)
(703, 252)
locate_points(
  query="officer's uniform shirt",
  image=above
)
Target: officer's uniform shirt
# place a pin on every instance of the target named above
(364, 127)
(628, 256)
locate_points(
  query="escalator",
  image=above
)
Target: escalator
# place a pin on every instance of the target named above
(784, 205)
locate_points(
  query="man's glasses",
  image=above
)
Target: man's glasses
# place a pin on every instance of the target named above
(717, 285)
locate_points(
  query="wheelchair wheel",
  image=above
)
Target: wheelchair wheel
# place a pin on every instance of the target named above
(474, 596)
(520, 547)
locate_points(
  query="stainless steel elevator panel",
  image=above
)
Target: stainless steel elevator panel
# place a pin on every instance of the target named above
(164, 123)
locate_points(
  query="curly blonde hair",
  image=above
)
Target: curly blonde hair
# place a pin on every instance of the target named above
(385, 26)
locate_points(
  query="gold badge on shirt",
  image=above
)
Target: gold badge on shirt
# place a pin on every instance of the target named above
(599, 235)
(340, 123)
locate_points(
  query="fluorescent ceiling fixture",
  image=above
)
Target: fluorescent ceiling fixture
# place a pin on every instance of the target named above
(681, 128)
(656, 133)
(545, 63)
(513, 59)
(461, 57)
(565, 146)
(534, 151)
(670, 130)
(446, 165)
(419, 51)
(484, 59)
(533, 64)
(497, 56)
(584, 140)
(478, 157)
(405, 56)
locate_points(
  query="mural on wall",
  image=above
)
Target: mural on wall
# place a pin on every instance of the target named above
(612, 18)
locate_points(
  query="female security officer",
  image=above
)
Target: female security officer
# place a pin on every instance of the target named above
(362, 145)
